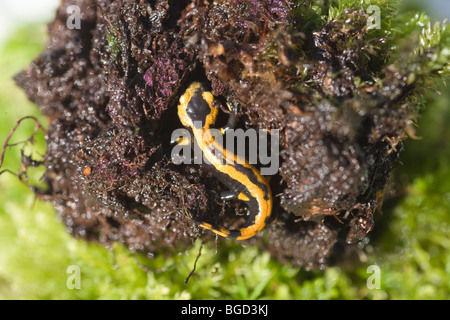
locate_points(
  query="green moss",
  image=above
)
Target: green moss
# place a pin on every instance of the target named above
(415, 247)
(113, 43)
(338, 8)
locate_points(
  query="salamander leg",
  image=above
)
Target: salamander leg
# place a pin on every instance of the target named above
(228, 195)
(231, 122)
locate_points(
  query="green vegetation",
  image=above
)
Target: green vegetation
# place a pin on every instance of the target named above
(410, 243)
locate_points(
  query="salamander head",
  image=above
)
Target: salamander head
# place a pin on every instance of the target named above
(196, 107)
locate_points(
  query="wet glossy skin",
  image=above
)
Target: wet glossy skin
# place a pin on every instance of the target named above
(245, 183)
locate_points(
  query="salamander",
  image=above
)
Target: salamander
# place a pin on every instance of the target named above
(198, 113)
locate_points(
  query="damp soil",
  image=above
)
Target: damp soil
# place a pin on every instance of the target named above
(110, 91)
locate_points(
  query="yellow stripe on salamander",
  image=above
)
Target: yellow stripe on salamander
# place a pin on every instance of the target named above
(207, 144)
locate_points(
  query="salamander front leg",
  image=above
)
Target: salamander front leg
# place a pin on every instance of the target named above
(231, 122)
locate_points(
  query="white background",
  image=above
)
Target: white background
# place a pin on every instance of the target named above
(16, 12)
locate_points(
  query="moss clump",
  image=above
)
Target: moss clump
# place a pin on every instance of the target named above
(343, 96)
(409, 242)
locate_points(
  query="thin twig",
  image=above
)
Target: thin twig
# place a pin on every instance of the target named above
(7, 144)
(195, 263)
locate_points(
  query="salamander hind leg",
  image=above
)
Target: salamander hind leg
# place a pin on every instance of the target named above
(233, 195)
(221, 231)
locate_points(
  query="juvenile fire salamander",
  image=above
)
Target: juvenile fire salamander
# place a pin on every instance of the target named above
(245, 182)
